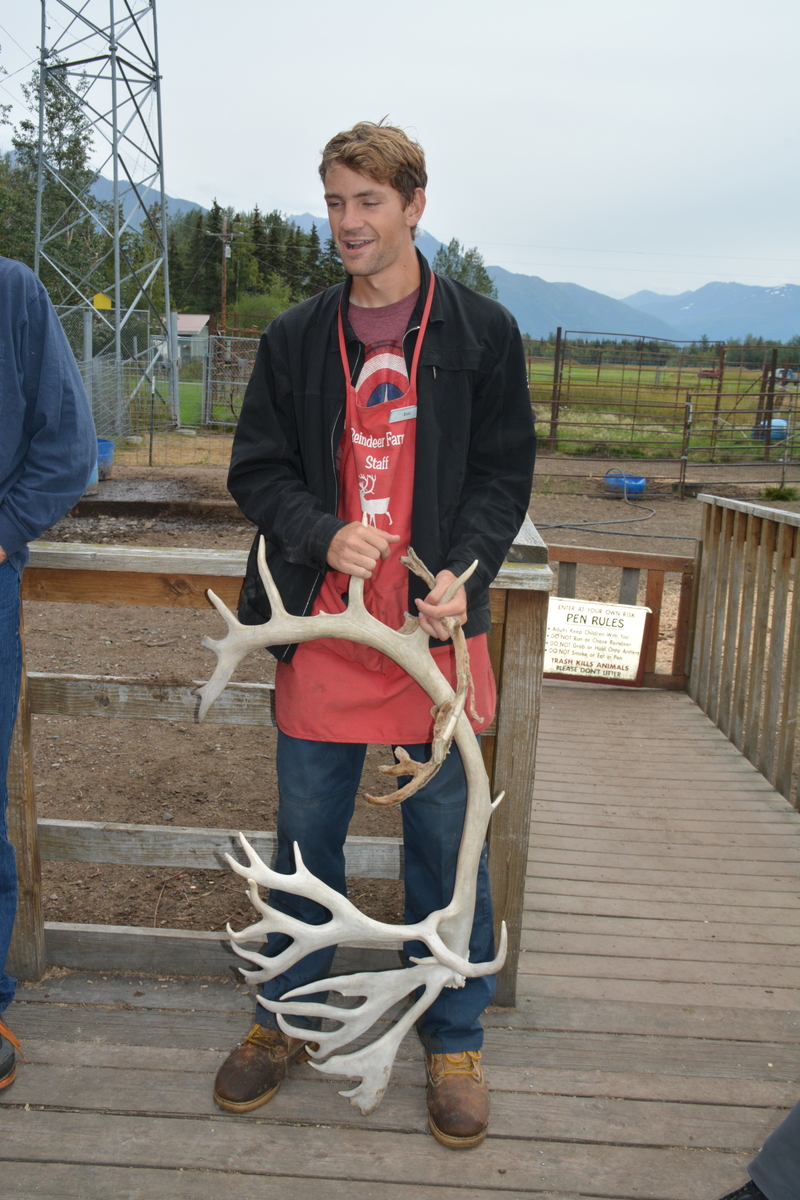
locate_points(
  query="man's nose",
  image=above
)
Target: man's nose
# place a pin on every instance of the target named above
(351, 220)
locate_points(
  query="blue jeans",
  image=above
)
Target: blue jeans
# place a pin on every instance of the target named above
(317, 785)
(10, 671)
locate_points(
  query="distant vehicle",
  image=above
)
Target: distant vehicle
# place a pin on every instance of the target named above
(708, 373)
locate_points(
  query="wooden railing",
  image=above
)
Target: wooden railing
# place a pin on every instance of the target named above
(746, 665)
(178, 578)
(631, 564)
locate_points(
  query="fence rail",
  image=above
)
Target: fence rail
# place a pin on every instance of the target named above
(631, 563)
(745, 670)
(178, 578)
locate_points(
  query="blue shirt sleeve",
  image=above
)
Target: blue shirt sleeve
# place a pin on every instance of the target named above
(48, 446)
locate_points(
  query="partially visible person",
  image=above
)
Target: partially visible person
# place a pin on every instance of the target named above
(47, 451)
(775, 1170)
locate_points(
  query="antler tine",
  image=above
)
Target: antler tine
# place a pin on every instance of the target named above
(230, 651)
(457, 583)
(273, 595)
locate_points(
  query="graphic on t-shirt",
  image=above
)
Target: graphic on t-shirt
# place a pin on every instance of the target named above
(372, 506)
(384, 375)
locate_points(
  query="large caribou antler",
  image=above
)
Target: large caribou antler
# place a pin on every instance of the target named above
(445, 932)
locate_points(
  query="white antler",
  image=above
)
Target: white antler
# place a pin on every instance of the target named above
(446, 932)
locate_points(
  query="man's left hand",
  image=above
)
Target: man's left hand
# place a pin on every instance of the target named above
(431, 610)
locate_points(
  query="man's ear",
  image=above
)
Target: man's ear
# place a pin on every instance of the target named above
(415, 207)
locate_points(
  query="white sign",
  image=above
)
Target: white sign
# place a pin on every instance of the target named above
(589, 640)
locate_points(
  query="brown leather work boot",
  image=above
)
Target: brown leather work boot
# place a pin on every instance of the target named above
(458, 1099)
(253, 1072)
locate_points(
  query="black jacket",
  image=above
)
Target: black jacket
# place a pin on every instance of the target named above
(474, 449)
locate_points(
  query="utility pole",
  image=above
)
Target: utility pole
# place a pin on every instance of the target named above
(226, 239)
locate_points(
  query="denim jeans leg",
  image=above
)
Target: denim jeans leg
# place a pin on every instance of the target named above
(317, 785)
(432, 823)
(10, 671)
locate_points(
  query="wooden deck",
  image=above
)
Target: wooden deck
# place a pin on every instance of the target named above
(654, 1046)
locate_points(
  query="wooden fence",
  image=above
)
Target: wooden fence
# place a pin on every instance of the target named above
(178, 578)
(745, 670)
(631, 563)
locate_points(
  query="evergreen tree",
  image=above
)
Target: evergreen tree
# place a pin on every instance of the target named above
(258, 234)
(293, 264)
(315, 272)
(79, 247)
(273, 257)
(465, 266)
(209, 290)
(332, 268)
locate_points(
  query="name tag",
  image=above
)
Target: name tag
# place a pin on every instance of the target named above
(403, 414)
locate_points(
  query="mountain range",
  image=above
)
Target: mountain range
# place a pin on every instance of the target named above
(717, 310)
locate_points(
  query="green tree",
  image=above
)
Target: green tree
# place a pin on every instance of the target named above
(74, 242)
(465, 266)
(316, 278)
(293, 264)
(332, 268)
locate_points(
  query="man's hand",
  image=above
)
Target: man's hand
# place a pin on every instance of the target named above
(3, 555)
(356, 548)
(430, 610)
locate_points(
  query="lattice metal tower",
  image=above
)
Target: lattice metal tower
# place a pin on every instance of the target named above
(104, 54)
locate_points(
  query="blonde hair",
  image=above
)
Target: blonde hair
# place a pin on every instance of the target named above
(381, 152)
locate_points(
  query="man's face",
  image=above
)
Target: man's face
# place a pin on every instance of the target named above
(368, 222)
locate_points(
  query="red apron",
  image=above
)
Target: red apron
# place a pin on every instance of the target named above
(336, 690)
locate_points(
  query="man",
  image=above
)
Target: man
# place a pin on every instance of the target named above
(775, 1170)
(47, 451)
(403, 397)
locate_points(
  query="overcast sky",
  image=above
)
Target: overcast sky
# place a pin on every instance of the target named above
(618, 144)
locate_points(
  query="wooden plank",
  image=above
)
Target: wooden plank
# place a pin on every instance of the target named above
(128, 587)
(653, 598)
(696, 859)
(732, 616)
(601, 557)
(768, 819)
(184, 846)
(610, 834)
(626, 944)
(85, 1181)
(629, 586)
(516, 1114)
(567, 580)
(723, 574)
(660, 992)
(757, 510)
(787, 739)
(761, 615)
(596, 965)
(776, 662)
(741, 670)
(328, 1154)
(713, 871)
(698, 676)
(146, 699)
(571, 883)
(736, 938)
(147, 560)
(179, 951)
(548, 895)
(769, 892)
(681, 652)
(514, 759)
(26, 956)
(408, 1072)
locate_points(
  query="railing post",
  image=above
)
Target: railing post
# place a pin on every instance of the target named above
(26, 958)
(519, 689)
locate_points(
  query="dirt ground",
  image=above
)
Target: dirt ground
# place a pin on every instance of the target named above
(182, 774)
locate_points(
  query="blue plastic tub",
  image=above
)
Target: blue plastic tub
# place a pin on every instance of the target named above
(628, 485)
(105, 457)
(92, 487)
(778, 432)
